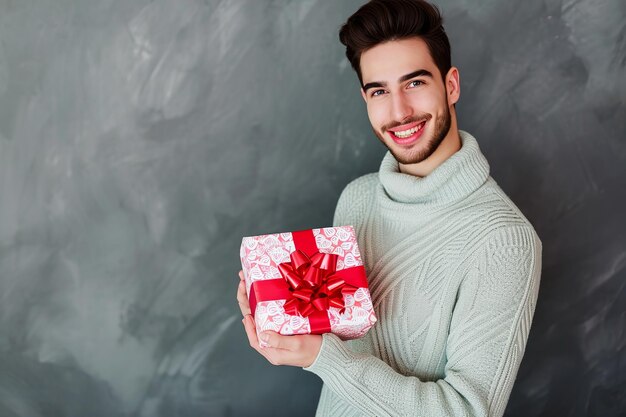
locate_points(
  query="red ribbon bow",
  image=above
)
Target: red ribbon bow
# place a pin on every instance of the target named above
(313, 283)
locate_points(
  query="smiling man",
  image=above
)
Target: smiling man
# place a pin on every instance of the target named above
(453, 265)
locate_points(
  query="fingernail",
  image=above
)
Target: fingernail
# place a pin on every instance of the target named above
(265, 337)
(263, 340)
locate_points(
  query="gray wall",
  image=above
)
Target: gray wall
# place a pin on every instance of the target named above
(140, 140)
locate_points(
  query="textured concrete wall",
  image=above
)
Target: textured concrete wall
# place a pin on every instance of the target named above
(140, 140)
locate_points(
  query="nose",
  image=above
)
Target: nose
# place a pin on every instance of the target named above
(401, 108)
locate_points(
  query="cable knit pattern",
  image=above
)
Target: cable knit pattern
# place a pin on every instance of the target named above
(454, 269)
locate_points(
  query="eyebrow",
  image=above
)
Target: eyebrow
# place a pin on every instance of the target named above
(418, 73)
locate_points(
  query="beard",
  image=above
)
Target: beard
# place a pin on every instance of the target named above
(430, 145)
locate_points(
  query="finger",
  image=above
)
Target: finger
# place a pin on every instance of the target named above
(248, 323)
(274, 356)
(242, 299)
(250, 327)
(278, 341)
(241, 275)
(241, 291)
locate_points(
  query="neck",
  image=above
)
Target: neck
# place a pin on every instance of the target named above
(448, 147)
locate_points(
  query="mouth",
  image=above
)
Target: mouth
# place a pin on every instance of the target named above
(407, 134)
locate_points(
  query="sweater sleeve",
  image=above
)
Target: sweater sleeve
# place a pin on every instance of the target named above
(486, 341)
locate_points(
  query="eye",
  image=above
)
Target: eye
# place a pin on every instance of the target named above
(377, 93)
(415, 83)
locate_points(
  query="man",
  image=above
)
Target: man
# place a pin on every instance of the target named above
(453, 265)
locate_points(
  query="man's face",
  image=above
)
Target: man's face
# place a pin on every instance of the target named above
(407, 101)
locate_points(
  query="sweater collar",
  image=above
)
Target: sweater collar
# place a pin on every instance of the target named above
(456, 178)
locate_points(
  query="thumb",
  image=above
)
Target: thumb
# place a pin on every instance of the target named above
(278, 341)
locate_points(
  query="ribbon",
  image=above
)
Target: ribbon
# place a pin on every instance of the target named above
(310, 283)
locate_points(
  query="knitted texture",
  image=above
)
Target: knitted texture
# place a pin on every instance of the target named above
(453, 269)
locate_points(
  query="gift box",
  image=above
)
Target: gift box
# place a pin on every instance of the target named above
(308, 282)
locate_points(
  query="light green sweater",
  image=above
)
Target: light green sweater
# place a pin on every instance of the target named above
(453, 269)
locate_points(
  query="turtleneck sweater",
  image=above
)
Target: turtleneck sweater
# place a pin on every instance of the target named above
(453, 269)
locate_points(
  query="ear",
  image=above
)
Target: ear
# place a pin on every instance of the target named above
(453, 86)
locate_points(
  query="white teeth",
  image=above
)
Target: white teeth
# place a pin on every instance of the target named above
(407, 133)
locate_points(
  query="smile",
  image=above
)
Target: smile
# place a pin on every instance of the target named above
(406, 135)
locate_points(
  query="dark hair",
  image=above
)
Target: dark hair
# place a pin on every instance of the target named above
(385, 20)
